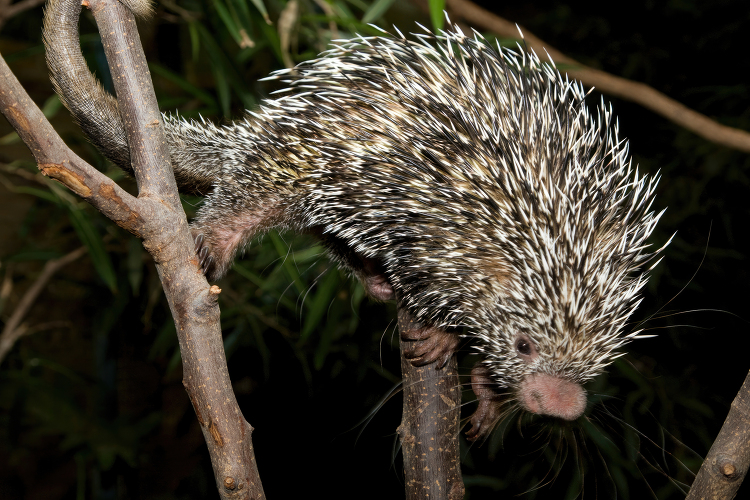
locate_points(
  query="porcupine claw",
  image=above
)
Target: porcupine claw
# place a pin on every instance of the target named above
(205, 257)
(428, 344)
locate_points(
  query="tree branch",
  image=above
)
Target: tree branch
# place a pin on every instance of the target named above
(727, 462)
(13, 330)
(429, 429)
(604, 82)
(156, 216)
(57, 161)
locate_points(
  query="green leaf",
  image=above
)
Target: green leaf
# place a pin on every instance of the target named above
(195, 40)
(225, 95)
(376, 10)
(262, 9)
(287, 262)
(437, 16)
(357, 3)
(246, 272)
(51, 106)
(228, 21)
(10, 138)
(165, 342)
(272, 37)
(39, 193)
(135, 264)
(181, 82)
(239, 7)
(91, 239)
(225, 73)
(233, 339)
(33, 255)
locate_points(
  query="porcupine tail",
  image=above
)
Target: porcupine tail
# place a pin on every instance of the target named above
(93, 108)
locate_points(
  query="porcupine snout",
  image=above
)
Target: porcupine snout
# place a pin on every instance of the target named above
(536, 392)
(545, 394)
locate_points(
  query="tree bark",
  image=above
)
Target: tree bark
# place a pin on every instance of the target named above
(429, 429)
(727, 462)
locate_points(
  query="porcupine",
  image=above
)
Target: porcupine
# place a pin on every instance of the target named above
(470, 181)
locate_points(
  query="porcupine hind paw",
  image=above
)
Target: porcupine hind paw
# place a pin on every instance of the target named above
(488, 413)
(427, 344)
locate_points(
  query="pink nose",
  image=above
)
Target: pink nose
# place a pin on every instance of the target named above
(548, 395)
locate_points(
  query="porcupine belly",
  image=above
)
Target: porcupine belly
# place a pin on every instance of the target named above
(471, 181)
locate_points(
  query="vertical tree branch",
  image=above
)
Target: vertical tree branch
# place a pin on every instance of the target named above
(194, 309)
(429, 429)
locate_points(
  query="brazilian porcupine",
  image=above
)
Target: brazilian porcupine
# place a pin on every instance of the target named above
(471, 181)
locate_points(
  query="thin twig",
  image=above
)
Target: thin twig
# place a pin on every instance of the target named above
(13, 329)
(7, 10)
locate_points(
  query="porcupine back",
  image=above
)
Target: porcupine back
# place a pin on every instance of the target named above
(476, 177)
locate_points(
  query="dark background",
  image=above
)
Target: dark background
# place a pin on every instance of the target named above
(92, 406)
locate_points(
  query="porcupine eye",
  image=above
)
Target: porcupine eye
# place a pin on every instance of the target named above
(525, 348)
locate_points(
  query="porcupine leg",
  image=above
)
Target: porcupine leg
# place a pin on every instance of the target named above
(227, 222)
(220, 231)
(369, 271)
(425, 344)
(219, 236)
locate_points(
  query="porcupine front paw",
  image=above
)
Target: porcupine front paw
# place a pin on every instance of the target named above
(427, 344)
(488, 412)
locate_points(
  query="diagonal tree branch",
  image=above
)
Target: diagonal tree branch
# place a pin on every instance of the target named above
(13, 329)
(604, 82)
(728, 460)
(57, 161)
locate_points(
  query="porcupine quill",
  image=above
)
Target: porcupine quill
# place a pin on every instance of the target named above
(471, 180)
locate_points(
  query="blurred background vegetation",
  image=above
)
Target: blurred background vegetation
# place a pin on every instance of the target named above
(91, 401)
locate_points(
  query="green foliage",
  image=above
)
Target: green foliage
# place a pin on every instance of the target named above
(92, 403)
(436, 14)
